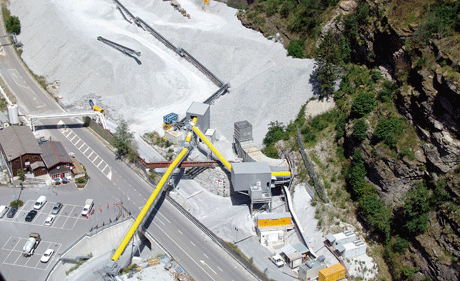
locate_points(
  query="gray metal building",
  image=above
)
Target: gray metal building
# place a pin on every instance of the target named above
(310, 269)
(247, 174)
(202, 112)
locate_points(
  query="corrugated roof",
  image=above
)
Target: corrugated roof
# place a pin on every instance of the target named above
(299, 247)
(243, 168)
(340, 247)
(330, 237)
(36, 165)
(18, 140)
(273, 216)
(288, 249)
(53, 152)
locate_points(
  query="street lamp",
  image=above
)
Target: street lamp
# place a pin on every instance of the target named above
(10, 170)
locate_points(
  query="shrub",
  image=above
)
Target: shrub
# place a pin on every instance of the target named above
(389, 130)
(360, 130)
(401, 245)
(17, 203)
(377, 214)
(276, 132)
(295, 48)
(387, 91)
(308, 134)
(340, 127)
(318, 123)
(363, 104)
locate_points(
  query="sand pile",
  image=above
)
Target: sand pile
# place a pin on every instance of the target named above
(60, 43)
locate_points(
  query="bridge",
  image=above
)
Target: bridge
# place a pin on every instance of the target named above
(33, 118)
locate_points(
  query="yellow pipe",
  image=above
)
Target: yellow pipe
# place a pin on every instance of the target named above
(281, 174)
(149, 202)
(97, 108)
(211, 146)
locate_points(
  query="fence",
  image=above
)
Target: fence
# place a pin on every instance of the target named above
(306, 160)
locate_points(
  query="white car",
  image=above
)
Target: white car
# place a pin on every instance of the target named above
(276, 259)
(49, 220)
(47, 255)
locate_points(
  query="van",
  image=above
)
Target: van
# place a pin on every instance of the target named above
(89, 203)
(40, 202)
(3, 210)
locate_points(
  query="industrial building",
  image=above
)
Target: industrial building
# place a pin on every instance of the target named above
(345, 237)
(271, 227)
(353, 249)
(294, 255)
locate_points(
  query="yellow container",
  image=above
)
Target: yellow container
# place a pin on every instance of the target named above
(332, 273)
(273, 222)
(97, 108)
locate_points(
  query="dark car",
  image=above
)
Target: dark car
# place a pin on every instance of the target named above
(65, 180)
(12, 211)
(31, 215)
(57, 207)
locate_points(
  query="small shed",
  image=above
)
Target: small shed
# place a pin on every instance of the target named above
(332, 273)
(77, 169)
(291, 256)
(310, 269)
(302, 249)
(347, 236)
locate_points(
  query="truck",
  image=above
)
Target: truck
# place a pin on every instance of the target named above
(89, 203)
(277, 260)
(31, 244)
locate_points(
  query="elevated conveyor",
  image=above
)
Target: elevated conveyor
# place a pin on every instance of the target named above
(150, 201)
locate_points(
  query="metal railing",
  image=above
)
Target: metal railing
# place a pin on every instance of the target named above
(318, 187)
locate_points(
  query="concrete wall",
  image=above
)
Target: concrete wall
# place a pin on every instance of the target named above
(88, 122)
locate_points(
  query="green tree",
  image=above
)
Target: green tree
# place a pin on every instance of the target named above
(328, 59)
(377, 214)
(360, 130)
(124, 140)
(363, 103)
(416, 209)
(356, 176)
(276, 132)
(389, 130)
(21, 175)
(13, 25)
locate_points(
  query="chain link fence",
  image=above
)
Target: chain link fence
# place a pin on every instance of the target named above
(306, 160)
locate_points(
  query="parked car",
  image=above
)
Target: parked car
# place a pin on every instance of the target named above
(64, 180)
(57, 181)
(12, 212)
(47, 255)
(276, 259)
(3, 210)
(49, 220)
(40, 202)
(31, 215)
(57, 207)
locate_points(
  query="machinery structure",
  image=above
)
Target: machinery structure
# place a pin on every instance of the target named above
(125, 50)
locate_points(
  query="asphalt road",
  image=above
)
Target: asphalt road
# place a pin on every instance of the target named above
(110, 181)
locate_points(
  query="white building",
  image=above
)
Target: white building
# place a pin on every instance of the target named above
(353, 249)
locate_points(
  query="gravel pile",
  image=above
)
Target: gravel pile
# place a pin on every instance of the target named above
(60, 43)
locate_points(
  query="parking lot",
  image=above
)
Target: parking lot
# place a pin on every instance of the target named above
(66, 218)
(12, 251)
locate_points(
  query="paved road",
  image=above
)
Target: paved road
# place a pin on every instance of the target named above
(111, 181)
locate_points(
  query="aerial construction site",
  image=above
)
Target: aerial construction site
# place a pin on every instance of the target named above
(190, 72)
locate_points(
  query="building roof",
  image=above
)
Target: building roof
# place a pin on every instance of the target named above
(294, 256)
(354, 245)
(288, 249)
(17, 141)
(339, 247)
(251, 168)
(77, 167)
(299, 247)
(343, 235)
(198, 108)
(273, 216)
(312, 264)
(330, 237)
(36, 165)
(53, 153)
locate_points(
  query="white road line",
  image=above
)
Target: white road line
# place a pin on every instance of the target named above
(162, 222)
(205, 255)
(90, 154)
(102, 170)
(193, 244)
(82, 146)
(184, 251)
(95, 158)
(102, 161)
(180, 232)
(211, 269)
(220, 269)
(73, 137)
(85, 150)
(164, 217)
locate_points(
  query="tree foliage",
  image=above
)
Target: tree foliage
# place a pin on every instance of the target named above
(389, 130)
(363, 104)
(327, 69)
(377, 214)
(13, 25)
(295, 48)
(124, 141)
(416, 209)
(360, 130)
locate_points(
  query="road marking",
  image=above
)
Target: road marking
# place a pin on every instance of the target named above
(220, 269)
(203, 262)
(183, 251)
(72, 138)
(193, 244)
(180, 232)
(85, 150)
(161, 222)
(163, 216)
(92, 151)
(205, 255)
